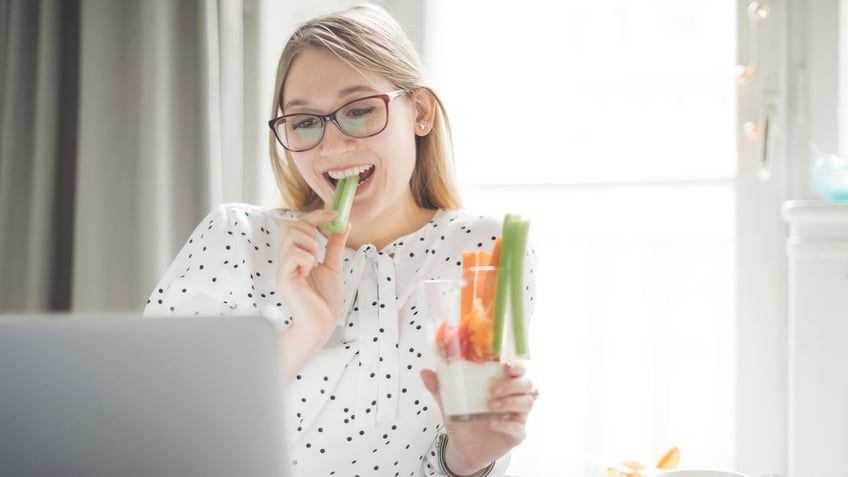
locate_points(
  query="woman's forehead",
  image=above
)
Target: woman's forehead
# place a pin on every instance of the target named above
(318, 76)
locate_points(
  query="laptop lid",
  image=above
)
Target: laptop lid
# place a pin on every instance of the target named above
(102, 395)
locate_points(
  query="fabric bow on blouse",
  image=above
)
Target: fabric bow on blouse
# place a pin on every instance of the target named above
(373, 305)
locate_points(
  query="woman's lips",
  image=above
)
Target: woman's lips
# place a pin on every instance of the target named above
(364, 173)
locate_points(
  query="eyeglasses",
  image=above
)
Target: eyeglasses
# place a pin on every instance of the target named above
(360, 118)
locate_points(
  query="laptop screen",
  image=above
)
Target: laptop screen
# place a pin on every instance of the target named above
(102, 395)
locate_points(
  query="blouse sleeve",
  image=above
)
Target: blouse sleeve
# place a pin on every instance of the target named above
(432, 465)
(217, 272)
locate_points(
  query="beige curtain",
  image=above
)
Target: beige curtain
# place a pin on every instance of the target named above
(38, 81)
(122, 124)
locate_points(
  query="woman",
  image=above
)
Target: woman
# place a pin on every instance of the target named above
(350, 100)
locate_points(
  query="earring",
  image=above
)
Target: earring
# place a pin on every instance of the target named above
(423, 125)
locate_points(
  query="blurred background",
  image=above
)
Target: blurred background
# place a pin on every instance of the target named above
(653, 145)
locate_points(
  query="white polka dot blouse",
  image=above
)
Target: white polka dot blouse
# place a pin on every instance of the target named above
(358, 408)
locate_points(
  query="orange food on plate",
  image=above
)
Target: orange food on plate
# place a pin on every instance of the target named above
(670, 459)
(632, 468)
(634, 465)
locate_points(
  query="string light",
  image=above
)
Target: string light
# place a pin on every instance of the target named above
(757, 131)
(758, 11)
(753, 130)
(744, 74)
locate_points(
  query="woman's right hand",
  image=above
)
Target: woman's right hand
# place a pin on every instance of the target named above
(313, 290)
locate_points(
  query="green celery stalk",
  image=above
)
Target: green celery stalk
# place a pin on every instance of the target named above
(516, 282)
(502, 285)
(342, 202)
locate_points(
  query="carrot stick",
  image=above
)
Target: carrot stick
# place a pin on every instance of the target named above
(469, 260)
(490, 285)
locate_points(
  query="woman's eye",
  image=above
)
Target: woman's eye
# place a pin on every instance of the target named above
(359, 112)
(309, 122)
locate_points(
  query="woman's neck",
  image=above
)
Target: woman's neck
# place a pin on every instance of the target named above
(385, 229)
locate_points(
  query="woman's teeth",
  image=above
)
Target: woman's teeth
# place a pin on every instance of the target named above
(353, 171)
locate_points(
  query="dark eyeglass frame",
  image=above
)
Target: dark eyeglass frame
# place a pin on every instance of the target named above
(323, 118)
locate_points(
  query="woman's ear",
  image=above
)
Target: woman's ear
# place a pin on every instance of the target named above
(424, 102)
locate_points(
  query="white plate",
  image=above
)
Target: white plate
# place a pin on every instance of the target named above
(698, 473)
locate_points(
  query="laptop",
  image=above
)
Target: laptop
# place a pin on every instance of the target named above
(120, 395)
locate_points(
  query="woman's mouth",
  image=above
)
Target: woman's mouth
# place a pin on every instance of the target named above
(364, 173)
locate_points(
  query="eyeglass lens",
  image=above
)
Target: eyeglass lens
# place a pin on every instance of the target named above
(361, 118)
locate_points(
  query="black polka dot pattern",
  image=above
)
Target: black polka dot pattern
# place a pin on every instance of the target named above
(359, 407)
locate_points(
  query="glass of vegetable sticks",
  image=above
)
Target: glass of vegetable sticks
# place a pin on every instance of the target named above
(478, 322)
(462, 335)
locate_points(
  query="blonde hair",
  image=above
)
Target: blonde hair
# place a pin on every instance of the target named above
(369, 38)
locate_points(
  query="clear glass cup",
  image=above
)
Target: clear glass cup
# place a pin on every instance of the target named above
(462, 330)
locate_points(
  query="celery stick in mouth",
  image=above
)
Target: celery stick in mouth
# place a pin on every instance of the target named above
(342, 202)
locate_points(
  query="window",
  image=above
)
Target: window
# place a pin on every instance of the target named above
(611, 126)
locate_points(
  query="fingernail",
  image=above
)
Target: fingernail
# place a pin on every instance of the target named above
(496, 404)
(497, 390)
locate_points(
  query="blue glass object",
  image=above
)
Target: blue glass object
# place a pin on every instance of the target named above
(830, 177)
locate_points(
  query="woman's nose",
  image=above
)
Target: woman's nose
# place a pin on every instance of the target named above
(334, 140)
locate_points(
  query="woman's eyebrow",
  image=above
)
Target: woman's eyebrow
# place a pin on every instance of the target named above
(344, 92)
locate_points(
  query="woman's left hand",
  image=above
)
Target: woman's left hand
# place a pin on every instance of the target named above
(473, 445)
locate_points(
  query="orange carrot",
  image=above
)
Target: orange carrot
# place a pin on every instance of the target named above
(488, 295)
(477, 298)
(471, 289)
(485, 258)
(496, 252)
(442, 332)
(480, 330)
(469, 259)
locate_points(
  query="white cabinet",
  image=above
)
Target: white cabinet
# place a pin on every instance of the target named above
(817, 249)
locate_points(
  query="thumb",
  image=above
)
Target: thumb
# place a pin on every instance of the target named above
(431, 382)
(334, 254)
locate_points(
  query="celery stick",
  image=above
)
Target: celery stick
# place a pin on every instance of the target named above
(516, 282)
(502, 285)
(342, 202)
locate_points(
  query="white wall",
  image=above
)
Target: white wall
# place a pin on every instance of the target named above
(843, 79)
(798, 66)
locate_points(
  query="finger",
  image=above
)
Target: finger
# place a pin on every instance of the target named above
(334, 254)
(514, 429)
(298, 237)
(297, 234)
(318, 217)
(431, 382)
(514, 368)
(519, 403)
(297, 264)
(512, 386)
(519, 417)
